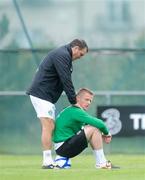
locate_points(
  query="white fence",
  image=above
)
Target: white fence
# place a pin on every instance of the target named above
(107, 94)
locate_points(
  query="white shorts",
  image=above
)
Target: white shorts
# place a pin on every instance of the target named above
(43, 108)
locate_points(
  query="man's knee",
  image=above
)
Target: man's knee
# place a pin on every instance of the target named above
(90, 130)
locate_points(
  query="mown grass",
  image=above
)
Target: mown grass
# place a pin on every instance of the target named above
(29, 168)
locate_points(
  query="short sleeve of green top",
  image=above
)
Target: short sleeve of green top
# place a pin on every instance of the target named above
(71, 120)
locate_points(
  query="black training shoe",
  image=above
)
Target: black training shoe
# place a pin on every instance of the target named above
(115, 167)
(50, 166)
(58, 167)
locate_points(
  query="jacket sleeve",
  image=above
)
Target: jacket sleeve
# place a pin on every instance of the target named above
(88, 119)
(63, 68)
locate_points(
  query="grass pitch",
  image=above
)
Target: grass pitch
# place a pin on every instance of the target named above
(29, 168)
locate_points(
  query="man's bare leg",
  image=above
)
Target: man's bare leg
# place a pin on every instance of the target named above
(95, 138)
(47, 125)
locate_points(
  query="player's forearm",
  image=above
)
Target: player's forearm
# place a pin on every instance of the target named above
(102, 127)
(98, 123)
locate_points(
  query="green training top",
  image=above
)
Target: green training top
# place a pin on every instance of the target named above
(71, 120)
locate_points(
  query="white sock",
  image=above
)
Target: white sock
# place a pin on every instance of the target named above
(47, 158)
(100, 157)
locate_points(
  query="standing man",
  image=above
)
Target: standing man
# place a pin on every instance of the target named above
(52, 77)
(74, 128)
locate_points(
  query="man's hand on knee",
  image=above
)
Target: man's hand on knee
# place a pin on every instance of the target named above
(107, 138)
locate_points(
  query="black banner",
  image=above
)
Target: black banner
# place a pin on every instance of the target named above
(123, 120)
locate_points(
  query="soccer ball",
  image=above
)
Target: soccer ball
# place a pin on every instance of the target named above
(63, 162)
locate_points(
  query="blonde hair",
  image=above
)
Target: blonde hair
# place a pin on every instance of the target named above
(82, 90)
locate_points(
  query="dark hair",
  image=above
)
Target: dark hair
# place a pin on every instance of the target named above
(82, 90)
(80, 43)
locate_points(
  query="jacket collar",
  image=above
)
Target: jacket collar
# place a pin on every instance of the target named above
(69, 49)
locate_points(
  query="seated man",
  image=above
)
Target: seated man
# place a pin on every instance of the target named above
(74, 128)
